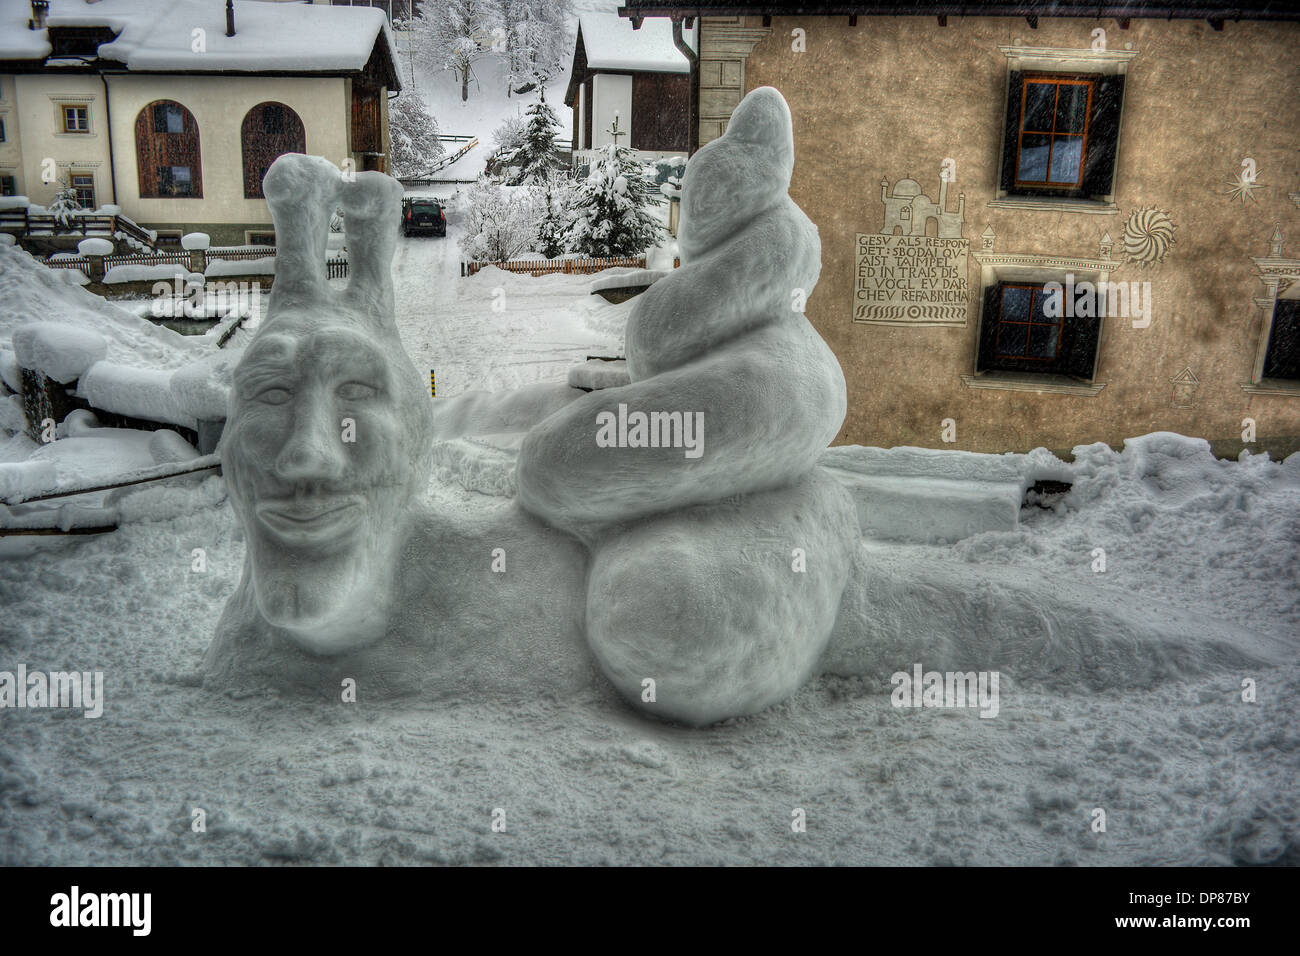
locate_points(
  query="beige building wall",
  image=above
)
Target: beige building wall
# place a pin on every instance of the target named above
(893, 98)
(219, 104)
(31, 106)
(38, 102)
(10, 150)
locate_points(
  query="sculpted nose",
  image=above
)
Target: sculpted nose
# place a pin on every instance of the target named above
(314, 451)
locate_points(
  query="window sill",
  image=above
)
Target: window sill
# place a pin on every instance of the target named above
(1272, 388)
(1055, 384)
(1055, 204)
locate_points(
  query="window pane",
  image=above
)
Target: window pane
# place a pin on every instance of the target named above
(1034, 151)
(1071, 107)
(1011, 339)
(1067, 158)
(1042, 341)
(1016, 303)
(1282, 359)
(272, 119)
(1041, 299)
(175, 120)
(1040, 104)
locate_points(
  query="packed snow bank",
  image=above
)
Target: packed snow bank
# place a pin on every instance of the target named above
(599, 373)
(136, 392)
(95, 247)
(33, 293)
(61, 351)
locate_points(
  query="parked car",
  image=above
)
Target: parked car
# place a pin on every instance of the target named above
(423, 216)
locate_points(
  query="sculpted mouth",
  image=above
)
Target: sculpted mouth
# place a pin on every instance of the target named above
(310, 520)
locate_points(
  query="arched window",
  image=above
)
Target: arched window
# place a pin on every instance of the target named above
(269, 130)
(167, 152)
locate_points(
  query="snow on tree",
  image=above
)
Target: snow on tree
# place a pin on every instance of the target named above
(537, 41)
(532, 157)
(454, 34)
(500, 221)
(556, 195)
(414, 133)
(64, 205)
(612, 207)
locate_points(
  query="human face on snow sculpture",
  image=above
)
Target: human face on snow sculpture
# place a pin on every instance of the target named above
(329, 428)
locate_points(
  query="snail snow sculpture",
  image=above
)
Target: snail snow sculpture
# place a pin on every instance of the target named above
(676, 533)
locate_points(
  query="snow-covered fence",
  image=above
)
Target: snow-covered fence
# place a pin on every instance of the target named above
(146, 259)
(424, 180)
(21, 222)
(543, 267)
(214, 262)
(81, 263)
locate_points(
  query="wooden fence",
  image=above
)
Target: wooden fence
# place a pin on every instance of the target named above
(336, 268)
(543, 267)
(24, 224)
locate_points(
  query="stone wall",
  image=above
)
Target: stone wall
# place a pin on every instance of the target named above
(901, 98)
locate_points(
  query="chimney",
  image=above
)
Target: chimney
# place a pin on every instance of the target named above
(230, 18)
(39, 9)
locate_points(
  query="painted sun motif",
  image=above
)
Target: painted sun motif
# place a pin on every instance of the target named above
(1148, 234)
(1242, 187)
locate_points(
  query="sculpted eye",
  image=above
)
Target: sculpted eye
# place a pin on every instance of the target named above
(357, 390)
(273, 396)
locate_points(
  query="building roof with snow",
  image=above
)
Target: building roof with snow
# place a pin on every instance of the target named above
(610, 43)
(1215, 11)
(146, 36)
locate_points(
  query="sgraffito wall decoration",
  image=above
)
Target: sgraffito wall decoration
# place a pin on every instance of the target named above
(904, 276)
(1148, 236)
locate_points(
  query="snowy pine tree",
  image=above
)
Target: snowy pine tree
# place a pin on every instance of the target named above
(64, 204)
(414, 134)
(454, 34)
(557, 194)
(612, 214)
(532, 157)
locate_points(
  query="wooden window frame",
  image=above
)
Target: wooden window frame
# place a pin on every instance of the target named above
(83, 108)
(1059, 324)
(1078, 338)
(292, 139)
(12, 182)
(74, 175)
(1058, 80)
(1096, 192)
(158, 150)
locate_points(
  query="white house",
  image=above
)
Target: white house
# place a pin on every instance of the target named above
(638, 76)
(154, 108)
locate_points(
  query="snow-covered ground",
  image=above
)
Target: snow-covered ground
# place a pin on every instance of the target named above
(1187, 772)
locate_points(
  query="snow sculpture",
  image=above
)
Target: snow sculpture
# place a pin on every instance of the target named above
(349, 574)
(718, 555)
(326, 444)
(678, 528)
